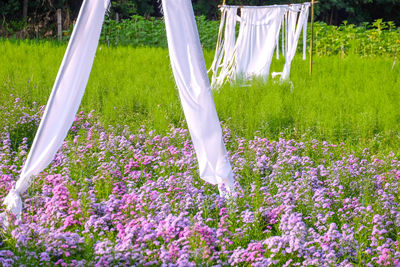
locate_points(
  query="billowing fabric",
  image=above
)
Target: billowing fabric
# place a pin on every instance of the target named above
(191, 78)
(65, 98)
(225, 46)
(297, 17)
(190, 74)
(258, 38)
(256, 42)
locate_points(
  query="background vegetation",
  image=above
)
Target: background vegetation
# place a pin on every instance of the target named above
(27, 18)
(348, 99)
(370, 39)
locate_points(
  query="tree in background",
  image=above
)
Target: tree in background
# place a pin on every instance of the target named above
(358, 11)
(39, 17)
(124, 8)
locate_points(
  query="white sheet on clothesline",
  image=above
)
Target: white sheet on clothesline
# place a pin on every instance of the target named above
(256, 41)
(191, 78)
(223, 59)
(258, 38)
(297, 17)
(65, 97)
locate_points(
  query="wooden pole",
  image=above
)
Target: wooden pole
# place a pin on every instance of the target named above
(312, 36)
(25, 9)
(59, 24)
(223, 2)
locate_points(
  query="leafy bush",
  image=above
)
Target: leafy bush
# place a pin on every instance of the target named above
(139, 31)
(378, 38)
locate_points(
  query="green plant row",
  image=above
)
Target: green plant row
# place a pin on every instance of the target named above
(139, 31)
(378, 38)
(353, 100)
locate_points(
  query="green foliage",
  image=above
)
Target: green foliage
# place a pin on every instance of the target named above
(350, 99)
(330, 11)
(9, 7)
(357, 11)
(139, 31)
(136, 31)
(124, 8)
(376, 39)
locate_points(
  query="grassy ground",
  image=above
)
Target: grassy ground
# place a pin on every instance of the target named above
(114, 197)
(352, 100)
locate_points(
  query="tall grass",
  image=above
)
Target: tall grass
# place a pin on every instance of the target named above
(353, 100)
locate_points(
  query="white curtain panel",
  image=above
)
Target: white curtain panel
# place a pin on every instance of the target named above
(256, 42)
(219, 49)
(188, 66)
(297, 21)
(225, 46)
(65, 98)
(191, 78)
(251, 55)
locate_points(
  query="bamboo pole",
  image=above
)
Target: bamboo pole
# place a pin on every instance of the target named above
(312, 36)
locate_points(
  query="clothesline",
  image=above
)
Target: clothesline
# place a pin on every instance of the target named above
(270, 6)
(250, 53)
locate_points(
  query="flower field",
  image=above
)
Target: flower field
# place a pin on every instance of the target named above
(114, 197)
(317, 183)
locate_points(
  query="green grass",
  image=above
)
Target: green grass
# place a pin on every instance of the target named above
(353, 100)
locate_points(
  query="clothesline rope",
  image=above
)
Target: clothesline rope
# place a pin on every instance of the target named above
(270, 6)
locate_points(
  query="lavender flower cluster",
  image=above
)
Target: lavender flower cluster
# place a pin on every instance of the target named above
(114, 197)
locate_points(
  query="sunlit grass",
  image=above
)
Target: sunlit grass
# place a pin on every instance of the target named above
(352, 100)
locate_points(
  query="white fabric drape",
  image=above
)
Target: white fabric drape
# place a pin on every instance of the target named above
(190, 73)
(225, 46)
(65, 98)
(297, 21)
(256, 42)
(191, 78)
(257, 39)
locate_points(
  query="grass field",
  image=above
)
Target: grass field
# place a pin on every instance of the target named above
(352, 100)
(129, 193)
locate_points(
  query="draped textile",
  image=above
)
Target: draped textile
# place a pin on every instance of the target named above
(190, 73)
(225, 46)
(256, 42)
(65, 98)
(297, 21)
(194, 88)
(257, 39)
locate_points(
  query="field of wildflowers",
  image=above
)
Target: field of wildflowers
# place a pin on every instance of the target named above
(317, 184)
(352, 100)
(115, 197)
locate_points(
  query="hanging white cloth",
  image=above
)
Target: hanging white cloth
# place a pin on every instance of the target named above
(191, 78)
(225, 46)
(65, 98)
(256, 42)
(257, 39)
(190, 74)
(296, 22)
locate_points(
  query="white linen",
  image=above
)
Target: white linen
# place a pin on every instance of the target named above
(258, 37)
(65, 98)
(297, 21)
(256, 42)
(190, 73)
(225, 46)
(191, 78)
